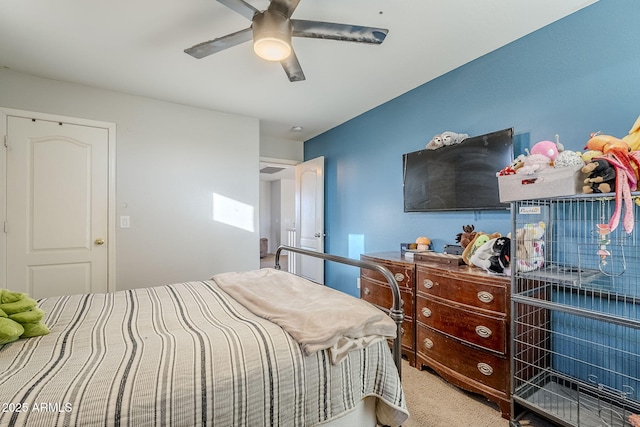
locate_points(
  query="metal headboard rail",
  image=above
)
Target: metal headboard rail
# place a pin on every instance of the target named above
(396, 312)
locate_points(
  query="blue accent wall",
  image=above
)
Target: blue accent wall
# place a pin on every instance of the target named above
(576, 76)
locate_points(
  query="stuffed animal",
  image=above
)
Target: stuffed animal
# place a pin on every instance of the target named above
(445, 138)
(435, 143)
(626, 163)
(601, 177)
(423, 243)
(466, 236)
(607, 143)
(633, 138)
(20, 317)
(451, 138)
(546, 148)
(530, 246)
(568, 158)
(493, 255)
(590, 154)
(478, 240)
(534, 163)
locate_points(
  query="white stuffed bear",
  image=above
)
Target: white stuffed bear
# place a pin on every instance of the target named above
(436, 142)
(450, 138)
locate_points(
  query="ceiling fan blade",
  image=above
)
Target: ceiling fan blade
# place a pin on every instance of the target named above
(285, 7)
(221, 43)
(343, 32)
(241, 7)
(292, 68)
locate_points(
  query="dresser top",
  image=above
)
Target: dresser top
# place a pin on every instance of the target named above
(394, 256)
(389, 256)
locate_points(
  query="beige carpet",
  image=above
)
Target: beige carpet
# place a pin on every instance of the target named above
(433, 402)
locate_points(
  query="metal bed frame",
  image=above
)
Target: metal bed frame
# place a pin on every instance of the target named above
(396, 312)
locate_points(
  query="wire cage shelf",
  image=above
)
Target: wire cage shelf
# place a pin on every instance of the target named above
(576, 310)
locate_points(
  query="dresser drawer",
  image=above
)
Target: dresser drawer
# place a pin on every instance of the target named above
(471, 326)
(408, 333)
(478, 365)
(380, 294)
(476, 291)
(403, 273)
(380, 297)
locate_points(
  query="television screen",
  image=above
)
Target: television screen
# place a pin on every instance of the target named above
(457, 177)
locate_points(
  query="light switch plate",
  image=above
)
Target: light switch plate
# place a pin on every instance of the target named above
(124, 221)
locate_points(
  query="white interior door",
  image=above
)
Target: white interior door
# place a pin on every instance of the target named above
(310, 217)
(57, 177)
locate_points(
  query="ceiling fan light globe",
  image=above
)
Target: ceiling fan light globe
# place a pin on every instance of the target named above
(271, 48)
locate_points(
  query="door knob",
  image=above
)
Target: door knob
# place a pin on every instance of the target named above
(99, 241)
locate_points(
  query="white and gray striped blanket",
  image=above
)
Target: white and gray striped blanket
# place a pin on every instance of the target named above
(181, 355)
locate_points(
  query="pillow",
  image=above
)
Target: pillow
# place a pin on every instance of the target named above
(14, 307)
(9, 330)
(20, 317)
(30, 316)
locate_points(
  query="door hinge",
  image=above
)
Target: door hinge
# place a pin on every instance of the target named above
(5, 227)
(6, 138)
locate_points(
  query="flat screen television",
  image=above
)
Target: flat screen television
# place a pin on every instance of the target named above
(457, 177)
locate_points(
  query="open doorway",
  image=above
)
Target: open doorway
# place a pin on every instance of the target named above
(277, 208)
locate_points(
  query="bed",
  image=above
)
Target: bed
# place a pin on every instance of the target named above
(191, 354)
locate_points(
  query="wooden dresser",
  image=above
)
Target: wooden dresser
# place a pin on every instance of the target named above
(462, 329)
(374, 288)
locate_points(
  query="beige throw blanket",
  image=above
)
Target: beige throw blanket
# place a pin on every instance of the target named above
(316, 316)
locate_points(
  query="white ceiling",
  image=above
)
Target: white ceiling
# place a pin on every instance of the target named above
(136, 46)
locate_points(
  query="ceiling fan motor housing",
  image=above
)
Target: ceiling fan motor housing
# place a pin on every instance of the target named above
(272, 35)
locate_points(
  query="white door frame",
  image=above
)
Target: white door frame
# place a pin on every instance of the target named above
(111, 208)
(313, 268)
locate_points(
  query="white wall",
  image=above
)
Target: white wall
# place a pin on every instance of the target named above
(276, 148)
(170, 160)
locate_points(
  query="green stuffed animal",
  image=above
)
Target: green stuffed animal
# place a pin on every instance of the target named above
(20, 317)
(478, 240)
(10, 330)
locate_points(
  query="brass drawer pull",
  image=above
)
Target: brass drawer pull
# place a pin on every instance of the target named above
(401, 331)
(485, 296)
(399, 277)
(427, 283)
(485, 369)
(428, 343)
(366, 291)
(483, 331)
(426, 312)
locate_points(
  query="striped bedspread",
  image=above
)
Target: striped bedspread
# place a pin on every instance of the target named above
(181, 355)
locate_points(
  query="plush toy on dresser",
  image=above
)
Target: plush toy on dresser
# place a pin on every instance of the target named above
(493, 256)
(467, 235)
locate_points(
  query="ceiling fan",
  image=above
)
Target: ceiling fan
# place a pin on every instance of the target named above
(273, 28)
